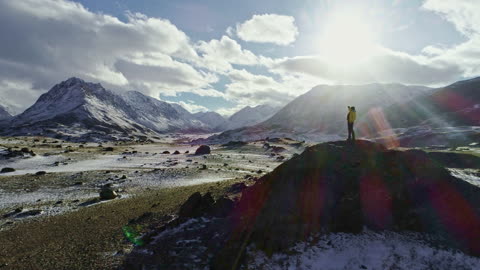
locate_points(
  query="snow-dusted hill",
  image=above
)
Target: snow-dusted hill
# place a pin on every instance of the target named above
(212, 119)
(161, 116)
(78, 110)
(250, 116)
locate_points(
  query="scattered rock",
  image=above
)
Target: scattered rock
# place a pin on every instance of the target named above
(259, 171)
(166, 152)
(107, 193)
(108, 149)
(203, 150)
(40, 173)
(7, 170)
(176, 152)
(203, 167)
(187, 152)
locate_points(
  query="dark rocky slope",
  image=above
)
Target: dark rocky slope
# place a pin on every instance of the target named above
(340, 187)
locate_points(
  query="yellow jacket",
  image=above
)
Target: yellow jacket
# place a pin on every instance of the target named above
(351, 116)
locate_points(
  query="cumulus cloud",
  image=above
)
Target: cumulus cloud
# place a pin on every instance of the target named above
(465, 15)
(47, 41)
(268, 28)
(50, 40)
(246, 88)
(218, 55)
(16, 95)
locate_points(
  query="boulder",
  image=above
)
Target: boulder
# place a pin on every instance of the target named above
(107, 193)
(166, 152)
(7, 170)
(176, 152)
(203, 150)
(40, 173)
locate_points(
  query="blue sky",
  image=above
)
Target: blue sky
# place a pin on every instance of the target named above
(223, 55)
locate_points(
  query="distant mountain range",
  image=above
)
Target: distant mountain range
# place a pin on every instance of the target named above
(83, 111)
(392, 113)
(250, 116)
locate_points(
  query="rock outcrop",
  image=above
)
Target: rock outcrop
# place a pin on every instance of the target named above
(343, 187)
(338, 187)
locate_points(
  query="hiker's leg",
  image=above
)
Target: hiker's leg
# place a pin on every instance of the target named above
(349, 131)
(353, 133)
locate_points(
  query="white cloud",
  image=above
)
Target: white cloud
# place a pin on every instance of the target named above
(229, 111)
(269, 28)
(17, 95)
(191, 106)
(246, 88)
(218, 55)
(47, 41)
(465, 15)
(51, 40)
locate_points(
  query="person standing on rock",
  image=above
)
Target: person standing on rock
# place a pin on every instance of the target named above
(351, 116)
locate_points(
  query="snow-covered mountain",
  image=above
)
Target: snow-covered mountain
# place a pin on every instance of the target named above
(4, 114)
(250, 116)
(78, 110)
(212, 119)
(161, 116)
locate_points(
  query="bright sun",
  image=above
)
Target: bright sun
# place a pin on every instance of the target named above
(347, 40)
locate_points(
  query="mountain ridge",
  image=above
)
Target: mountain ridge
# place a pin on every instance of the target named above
(319, 115)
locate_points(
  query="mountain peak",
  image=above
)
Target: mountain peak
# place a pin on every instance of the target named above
(72, 81)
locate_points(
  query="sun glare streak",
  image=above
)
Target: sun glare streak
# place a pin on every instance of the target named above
(378, 124)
